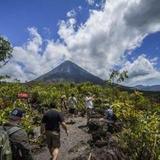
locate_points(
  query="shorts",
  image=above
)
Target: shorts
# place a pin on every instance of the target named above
(53, 139)
(89, 112)
(72, 110)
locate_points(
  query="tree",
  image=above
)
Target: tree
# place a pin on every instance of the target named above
(116, 77)
(5, 54)
(122, 76)
(5, 51)
(4, 77)
(113, 76)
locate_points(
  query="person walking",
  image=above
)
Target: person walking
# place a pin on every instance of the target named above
(89, 104)
(50, 127)
(20, 147)
(63, 103)
(111, 119)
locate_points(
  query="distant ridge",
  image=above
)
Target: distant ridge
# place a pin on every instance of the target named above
(71, 72)
(154, 88)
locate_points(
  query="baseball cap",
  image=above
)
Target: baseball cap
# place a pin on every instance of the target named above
(17, 112)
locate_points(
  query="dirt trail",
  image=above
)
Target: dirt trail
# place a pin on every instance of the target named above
(73, 145)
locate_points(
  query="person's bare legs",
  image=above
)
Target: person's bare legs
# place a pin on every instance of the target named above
(54, 152)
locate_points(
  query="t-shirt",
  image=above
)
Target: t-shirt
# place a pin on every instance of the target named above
(72, 101)
(52, 120)
(89, 102)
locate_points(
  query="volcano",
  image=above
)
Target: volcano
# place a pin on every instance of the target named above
(70, 72)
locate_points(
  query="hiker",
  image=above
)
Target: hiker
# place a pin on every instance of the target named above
(63, 103)
(111, 119)
(19, 143)
(21, 102)
(50, 127)
(89, 104)
(72, 102)
(109, 114)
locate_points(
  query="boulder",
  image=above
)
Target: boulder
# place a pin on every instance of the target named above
(107, 153)
(104, 144)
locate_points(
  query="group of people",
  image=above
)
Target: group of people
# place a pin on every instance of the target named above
(70, 104)
(14, 142)
(52, 120)
(18, 143)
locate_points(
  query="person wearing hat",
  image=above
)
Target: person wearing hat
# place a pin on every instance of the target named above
(63, 103)
(21, 149)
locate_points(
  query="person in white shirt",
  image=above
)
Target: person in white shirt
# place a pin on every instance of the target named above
(89, 104)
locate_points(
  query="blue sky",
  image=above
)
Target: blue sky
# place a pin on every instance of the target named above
(150, 47)
(18, 15)
(96, 34)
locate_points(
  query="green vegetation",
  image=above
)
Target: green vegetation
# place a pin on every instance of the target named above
(5, 51)
(5, 54)
(140, 115)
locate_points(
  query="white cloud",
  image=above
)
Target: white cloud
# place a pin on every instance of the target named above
(140, 67)
(144, 15)
(34, 44)
(79, 8)
(90, 2)
(142, 71)
(71, 13)
(97, 45)
(102, 41)
(28, 62)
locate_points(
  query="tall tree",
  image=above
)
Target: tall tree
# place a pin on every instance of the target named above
(116, 77)
(122, 76)
(5, 54)
(113, 76)
(5, 51)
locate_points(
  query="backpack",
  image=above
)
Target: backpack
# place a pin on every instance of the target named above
(5, 142)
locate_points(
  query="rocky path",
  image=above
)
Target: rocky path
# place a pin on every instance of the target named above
(73, 145)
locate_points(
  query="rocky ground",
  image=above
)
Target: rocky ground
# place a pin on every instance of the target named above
(96, 141)
(72, 146)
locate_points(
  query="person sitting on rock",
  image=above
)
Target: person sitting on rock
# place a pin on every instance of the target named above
(110, 115)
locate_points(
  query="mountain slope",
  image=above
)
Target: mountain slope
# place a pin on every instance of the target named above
(148, 88)
(69, 71)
